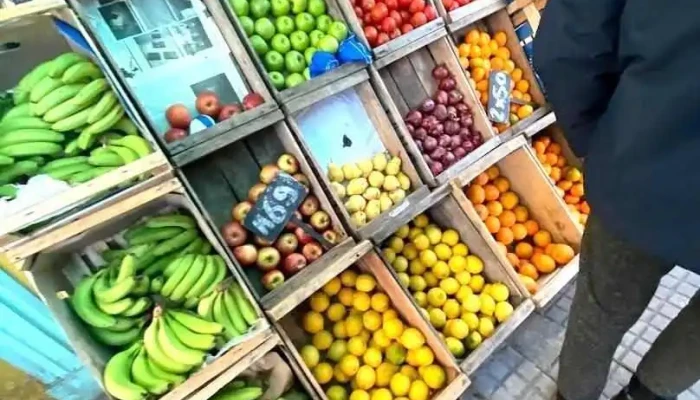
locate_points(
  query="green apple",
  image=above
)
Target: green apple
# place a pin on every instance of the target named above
(284, 24)
(329, 44)
(300, 40)
(274, 61)
(259, 45)
(316, 7)
(315, 36)
(294, 80)
(280, 43)
(338, 30)
(294, 61)
(323, 23)
(265, 28)
(298, 6)
(277, 79)
(240, 7)
(307, 74)
(281, 7)
(305, 22)
(259, 8)
(248, 25)
(309, 55)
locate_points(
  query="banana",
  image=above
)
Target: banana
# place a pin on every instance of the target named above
(162, 221)
(30, 135)
(23, 122)
(44, 87)
(204, 280)
(29, 149)
(222, 316)
(124, 324)
(61, 63)
(175, 349)
(81, 72)
(22, 110)
(182, 268)
(193, 248)
(190, 304)
(157, 284)
(117, 376)
(10, 173)
(143, 284)
(5, 160)
(157, 267)
(72, 148)
(89, 93)
(93, 130)
(156, 353)
(56, 97)
(126, 268)
(62, 111)
(205, 307)
(116, 339)
(176, 242)
(193, 340)
(233, 312)
(142, 375)
(221, 270)
(126, 154)
(206, 248)
(135, 143)
(103, 107)
(72, 123)
(244, 305)
(150, 235)
(39, 160)
(84, 176)
(116, 308)
(194, 272)
(117, 292)
(243, 393)
(62, 162)
(158, 372)
(8, 191)
(127, 126)
(84, 305)
(173, 266)
(65, 172)
(140, 306)
(21, 92)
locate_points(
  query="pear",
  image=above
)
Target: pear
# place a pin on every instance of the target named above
(351, 171)
(335, 173)
(397, 195)
(339, 189)
(355, 203)
(372, 193)
(366, 166)
(404, 181)
(373, 209)
(376, 179)
(391, 183)
(357, 186)
(393, 167)
(379, 162)
(359, 218)
(385, 202)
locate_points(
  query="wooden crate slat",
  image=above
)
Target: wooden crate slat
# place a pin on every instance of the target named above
(405, 78)
(29, 9)
(408, 48)
(327, 91)
(472, 12)
(211, 188)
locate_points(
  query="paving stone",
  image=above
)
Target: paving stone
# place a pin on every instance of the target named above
(693, 279)
(686, 289)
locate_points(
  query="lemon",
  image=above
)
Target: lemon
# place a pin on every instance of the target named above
(474, 264)
(488, 305)
(437, 318)
(339, 330)
(472, 303)
(345, 296)
(336, 392)
(365, 283)
(339, 375)
(503, 311)
(473, 340)
(365, 377)
(463, 277)
(422, 356)
(384, 373)
(348, 278)
(452, 309)
(457, 264)
(441, 270)
(372, 320)
(416, 267)
(410, 251)
(443, 251)
(395, 354)
(436, 297)
(379, 302)
(381, 394)
(417, 283)
(486, 327)
(434, 376)
(395, 243)
(419, 390)
(380, 339)
(471, 319)
(410, 372)
(421, 220)
(428, 258)
(313, 322)
(361, 301)
(323, 373)
(487, 289)
(421, 241)
(353, 325)
(372, 357)
(365, 335)
(389, 314)
(389, 254)
(460, 249)
(430, 279)
(463, 292)
(332, 287)
(359, 394)
(400, 264)
(319, 302)
(357, 346)
(421, 299)
(477, 283)
(412, 338)
(450, 237)
(404, 279)
(458, 329)
(349, 365)
(433, 233)
(402, 232)
(499, 292)
(455, 346)
(449, 285)
(310, 355)
(336, 312)
(393, 328)
(400, 384)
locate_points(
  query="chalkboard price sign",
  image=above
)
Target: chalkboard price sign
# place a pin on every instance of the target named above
(275, 207)
(498, 108)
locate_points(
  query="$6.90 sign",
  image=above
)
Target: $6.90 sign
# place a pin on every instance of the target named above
(498, 108)
(275, 207)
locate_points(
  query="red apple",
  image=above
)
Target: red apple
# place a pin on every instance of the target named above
(252, 100)
(291, 225)
(303, 237)
(320, 220)
(272, 279)
(268, 258)
(208, 103)
(288, 163)
(331, 236)
(268, 173)
(229, 110)
(301, 178)
(287, 243)
(312, 251)
(309, 206)
(261, 242)
(234, 234)
(293, 263)
(246, 254)
(240, 210)
(175, 134)
(178, 116)
(255, 192)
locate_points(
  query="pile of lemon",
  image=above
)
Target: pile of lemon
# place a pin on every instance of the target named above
(361, 349)
(447, 283)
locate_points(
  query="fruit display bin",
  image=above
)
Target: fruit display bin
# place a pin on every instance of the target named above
(11, 11)
(472, 11)
(188, 73)
(518, 164)
(224, 179)
(446, 213)
(34, 36)
(292, 333)
(364, 131)
(500, 22)
(56, 271)
(407, 83)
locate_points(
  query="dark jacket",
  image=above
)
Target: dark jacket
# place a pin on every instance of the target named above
(623, 77)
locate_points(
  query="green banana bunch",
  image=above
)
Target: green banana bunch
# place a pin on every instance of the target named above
(228, 306)
(240, 393)
(117, 375)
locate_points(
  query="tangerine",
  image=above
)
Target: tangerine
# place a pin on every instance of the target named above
(513, 259)
(476, 194)
(495, 208)
(509, 200)
(522, 85)
(481, 179)
(521, 213)
(519, 231)
(577, 190)
(491, 192)
(507, 218)
(472, 37)
(542, 238)
(524, 250)
(517, 75)
(562, 254)
(526, 268)
(505, 236)
(544, 263)
(493, 172)
(482, 211)
(492, 224)
(500, 38)
(532, 227)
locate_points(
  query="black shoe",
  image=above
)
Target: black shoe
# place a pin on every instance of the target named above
(635, 390)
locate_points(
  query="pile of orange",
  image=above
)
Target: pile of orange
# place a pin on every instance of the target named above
(528, 248)
(479, 54)
(568, 179)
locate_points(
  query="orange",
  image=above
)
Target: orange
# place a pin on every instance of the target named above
(517, 94)
(484, 98)
(521, 213)
(523, 85)
(555, 174)
(514, 109)
(517, 75)
(585, 208)
(476, 194)
(523, 250)
(464, 62)
(554, 148)
(500, 38)
(497, 64)
(474, 52)
(513, 259)
(476, 62)
(478, 73)
(562, 254)
(504, 54)
(481, 179)
(542, 238)
(569, 199)
(502, 184)
(529, 283)
(539, 147)
(525, 111)
(472, 37)
(486, 50)
(577, 190)
(532, 227)
(509, 66)
(561, 161)
(564, 184)
(544, 263)
(529, 270)
(492, 224)
(519, 231)
(527, 97)
(551, 158)
(547, 168)
(491, 192)
(484, 39)
(487, 64)
(507, 218)
(482, 85)
(495, 208)
(509, 200)
(482, 211)
(464, 49)
(493, 45)
(493, 172)
(545, 139)
(537, 250)
(548, 249)
(505, 236)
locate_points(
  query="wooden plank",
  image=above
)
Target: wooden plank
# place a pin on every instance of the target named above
(301, 377)
(548, 119)
(240, 169)
(345, 83)
(473, 12)
(265, 148)
(400, 44)
(423, 63)
(392, 89)
(307, 88)
(471, 158)
(502, 150)
(517, 5)
(288, 328)
(29, 9)
(536, 121)
(410, 47)
(556, 283)
(211, 188)
(532, 15)
(405, 78)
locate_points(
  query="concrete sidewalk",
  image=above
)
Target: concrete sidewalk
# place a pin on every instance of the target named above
(526, 366)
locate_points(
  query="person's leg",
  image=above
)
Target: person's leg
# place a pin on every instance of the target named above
(614, 286)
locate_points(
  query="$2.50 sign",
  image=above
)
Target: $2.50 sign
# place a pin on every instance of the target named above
(498, 108)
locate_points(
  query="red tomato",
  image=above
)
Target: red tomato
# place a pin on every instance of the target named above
(371, 34)
(382, 38)
(379, 12)
(447, 4)
(455, 5)
(395, 33)
(416, 6)
(405, 16)
(367, 5)
(406, 28)
(418, 19)
(367, 19)
(396, 16)
(358, 12)
(463, 2)
(392, 4)
(403, 4)
(388, 25)
(430, 12)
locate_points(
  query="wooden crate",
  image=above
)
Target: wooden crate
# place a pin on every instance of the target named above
(32, 26)
(357, 86)
(500, 21)
(405, 83)
(474, 11)
(222, 179)
(527, 10)
(292, 333)
(56, 270)
(35, 7)
(227, 131)
(447, 213)
(517, 163)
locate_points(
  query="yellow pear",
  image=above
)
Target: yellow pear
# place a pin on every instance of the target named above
(397, 195)
(351, 171)
(404, 181)
(373, 209)
(339, 189)
(376, 179)
(355, 203)
(366, 167)
(335, 173)
(391, 183)
(385, 202)
(372, 193)
(359, 218)
(357, 186)
(379, 161)
(393, 167)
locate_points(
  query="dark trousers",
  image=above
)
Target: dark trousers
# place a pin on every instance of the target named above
(615, 283)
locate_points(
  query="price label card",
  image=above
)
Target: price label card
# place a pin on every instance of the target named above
(275, 207)
(498, 108)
